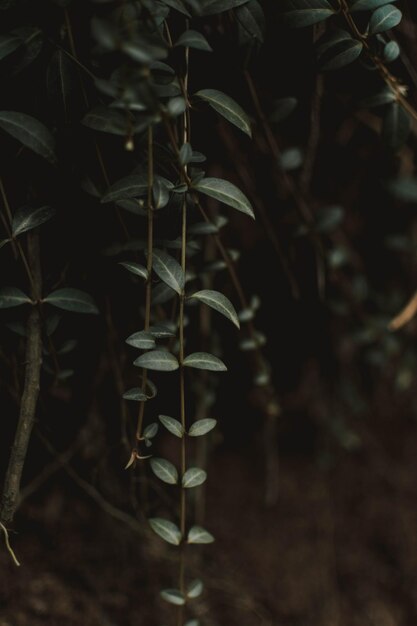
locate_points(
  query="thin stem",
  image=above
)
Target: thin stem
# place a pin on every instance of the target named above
(148, 293)
(390, 80)
(183, 502)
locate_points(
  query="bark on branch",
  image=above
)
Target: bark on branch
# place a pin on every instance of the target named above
(11, 490)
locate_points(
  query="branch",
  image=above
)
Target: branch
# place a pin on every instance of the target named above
(10, 496)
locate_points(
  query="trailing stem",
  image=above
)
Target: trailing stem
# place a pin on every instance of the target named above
(148, 294)
(11, 490)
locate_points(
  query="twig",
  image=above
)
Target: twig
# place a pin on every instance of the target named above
(8, 546)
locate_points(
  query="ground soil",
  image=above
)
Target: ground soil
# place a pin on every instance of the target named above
(338, 549)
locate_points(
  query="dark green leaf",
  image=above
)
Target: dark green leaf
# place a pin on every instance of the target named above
(300, 13)
(8, 44)
(202, 427)
(212, 7)
(135, 268)
(72, 300)
(225, 192)
(142, 340)
(106, 120)
(218, 302)
(367, 5)
(168, 270)
(227, 107)
(342, 54)
(396, 126)
(173, 596)
(404, 189)
(194, 39)
(129, 187)
(195, 589)
(60, 78)
(384, 18)
(11, 297)
(193, 477)
(30, 132)
(158, 360)
(164, 470)
(391, 51)
(205, 361)
(136, 394)
(172, 425)
(166, 530)
(282, 109)
(251, 20)
(197, 534)
(28, 218)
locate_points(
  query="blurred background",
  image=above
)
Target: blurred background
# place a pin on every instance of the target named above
(312, 486)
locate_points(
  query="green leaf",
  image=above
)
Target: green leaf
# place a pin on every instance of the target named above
(151, 430)
(386, 96)
(176, 106)
(404, 189)
(396, 126)
(391, 51)
(143, 340)
(30, 132)
(212, 7)
(158, 360)
(129, 187)
(300, 13)
(384, 18)
(251, 19)
(106, 120)
(178, 5)
(227, 107)
(186, 154)
(195, 589)
(166, 530)
(173, 596)
(71, 299)
(27, 218)
(60, 79)
(172, 425)
(193, 477)
(168, 270)
(31, 38)
(197, 534)
(202, 427)
(194, 39)
(162, 331)
(12, 296)
(204, 361)
(164, 470)
(8, 44)
(218, 302)
(291, 159)
(136, 394)
(225, 192)
(342, 54)
(367, 5)
(282, 109)
(135, 268)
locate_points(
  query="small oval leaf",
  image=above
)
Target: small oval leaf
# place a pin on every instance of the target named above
(197, 534)
(172, 425)
(164, 470)
(158, 360)
(205, 361)
(202, 427)
(193, 477)
(166, 530)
